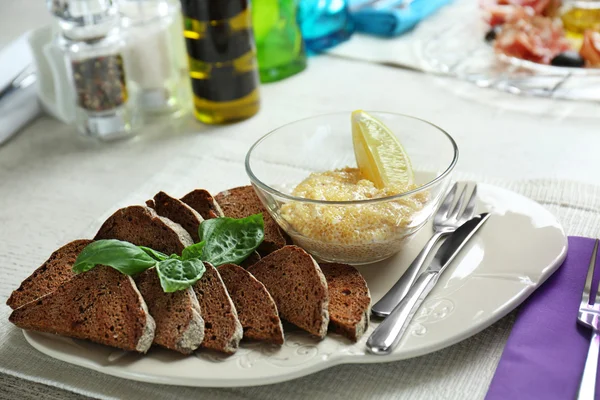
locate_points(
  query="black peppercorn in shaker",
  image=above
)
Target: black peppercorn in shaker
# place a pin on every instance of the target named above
(222, 59)
(92, 44)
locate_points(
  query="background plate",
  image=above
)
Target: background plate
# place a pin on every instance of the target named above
(461, 51)
(520, 246)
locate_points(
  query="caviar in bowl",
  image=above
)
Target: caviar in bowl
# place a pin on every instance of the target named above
(306, 175)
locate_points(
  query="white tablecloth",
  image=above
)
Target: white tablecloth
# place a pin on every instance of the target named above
(54, 184)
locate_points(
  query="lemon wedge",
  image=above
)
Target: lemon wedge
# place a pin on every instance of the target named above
(379, 154)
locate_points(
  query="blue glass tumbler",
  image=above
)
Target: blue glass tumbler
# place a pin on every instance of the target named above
(324, 23)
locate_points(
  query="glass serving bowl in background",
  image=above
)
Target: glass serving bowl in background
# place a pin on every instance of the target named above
(359, 231)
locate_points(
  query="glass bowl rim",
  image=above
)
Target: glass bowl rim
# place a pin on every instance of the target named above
(254, 179)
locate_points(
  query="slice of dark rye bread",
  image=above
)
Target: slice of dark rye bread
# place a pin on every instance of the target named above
(143, 225)
(179, 325)
(101, 305)
(242, 202)
(178, 212)
(203, 202)
(54, 272)
(349, 300)
(222, 328)
(299, 288)
(252, 259)
(255, 307)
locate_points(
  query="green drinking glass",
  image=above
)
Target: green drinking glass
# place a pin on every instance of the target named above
(279, 45)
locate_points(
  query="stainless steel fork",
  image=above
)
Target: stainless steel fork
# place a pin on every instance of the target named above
(589, 314)
(445, 221)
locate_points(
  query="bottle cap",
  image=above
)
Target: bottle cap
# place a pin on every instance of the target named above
(212, 10)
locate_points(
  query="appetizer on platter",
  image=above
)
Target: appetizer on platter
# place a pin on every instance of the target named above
(549, 32)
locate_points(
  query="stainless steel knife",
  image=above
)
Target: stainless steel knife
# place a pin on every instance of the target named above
(387, 335)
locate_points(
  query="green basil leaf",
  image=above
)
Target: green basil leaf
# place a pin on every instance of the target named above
(230, 240)
(179, 275)
(207, 227)
(122, 256)
(157, 255)
(193, 251)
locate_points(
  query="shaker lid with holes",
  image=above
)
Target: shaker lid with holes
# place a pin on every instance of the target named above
(85, 19)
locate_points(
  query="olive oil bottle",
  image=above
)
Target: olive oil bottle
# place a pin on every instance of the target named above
(222, 59)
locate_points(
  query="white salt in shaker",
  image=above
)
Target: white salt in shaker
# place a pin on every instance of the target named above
(156, 54)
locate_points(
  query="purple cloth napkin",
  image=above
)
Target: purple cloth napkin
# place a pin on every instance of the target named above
(546, 350)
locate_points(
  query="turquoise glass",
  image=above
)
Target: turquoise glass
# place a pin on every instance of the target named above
(324, 23)
(279, 45)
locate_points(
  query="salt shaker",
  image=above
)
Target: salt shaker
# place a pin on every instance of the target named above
(91, 42)
(156, 54)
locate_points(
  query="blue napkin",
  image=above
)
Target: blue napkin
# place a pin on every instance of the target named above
(391, 17)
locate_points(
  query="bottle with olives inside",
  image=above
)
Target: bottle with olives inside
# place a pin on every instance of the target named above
(222, 59)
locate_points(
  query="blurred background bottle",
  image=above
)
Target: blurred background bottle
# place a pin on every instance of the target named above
(92, 45)
(279, 43)
(222, 59)
(579, 16)
(324, 23)
(156, 54)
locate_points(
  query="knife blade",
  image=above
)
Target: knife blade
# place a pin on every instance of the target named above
(388, 334)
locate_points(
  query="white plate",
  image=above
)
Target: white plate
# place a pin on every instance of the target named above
(521, 245)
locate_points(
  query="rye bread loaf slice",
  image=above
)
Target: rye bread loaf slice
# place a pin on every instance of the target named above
(203, 202)
(298, 286)
(178, 212)
(55, 271)
(242, 202)
(252, 259)
(141, 226)
(222, 328)
(179, 325)
(255, 307)
(101, 305)
(349, 300)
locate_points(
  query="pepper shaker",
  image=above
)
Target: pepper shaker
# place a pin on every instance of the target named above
(91, 42)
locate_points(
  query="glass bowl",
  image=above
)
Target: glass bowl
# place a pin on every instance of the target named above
(358, 231)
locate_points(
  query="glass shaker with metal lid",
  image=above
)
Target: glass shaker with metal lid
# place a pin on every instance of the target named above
(156, 55)
(90, 39)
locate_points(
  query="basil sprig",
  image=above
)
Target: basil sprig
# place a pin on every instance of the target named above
(125, 257)
(179, 274)
(231, 240)
(223, 241)
(193, 251)
(157, 255)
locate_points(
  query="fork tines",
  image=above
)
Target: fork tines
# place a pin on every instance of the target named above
(454, 212)
(585, 297)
